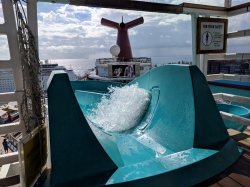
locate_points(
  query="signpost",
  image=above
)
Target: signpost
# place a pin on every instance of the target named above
(211, 35)
(33, 153)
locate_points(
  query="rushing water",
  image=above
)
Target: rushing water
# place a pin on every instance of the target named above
(122, 109)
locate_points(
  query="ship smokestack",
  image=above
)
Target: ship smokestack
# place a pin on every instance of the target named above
(122, 36)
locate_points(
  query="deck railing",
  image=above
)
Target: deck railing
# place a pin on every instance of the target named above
(234, 77)
(8, 28)
(138, 59)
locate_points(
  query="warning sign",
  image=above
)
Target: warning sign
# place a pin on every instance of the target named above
(34, 156)
(211, 35)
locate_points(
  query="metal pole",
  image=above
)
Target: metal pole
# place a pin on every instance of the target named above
(228, 3)
(194, 32)
(32, 19)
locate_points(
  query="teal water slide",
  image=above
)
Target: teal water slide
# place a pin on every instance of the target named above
(180, 141)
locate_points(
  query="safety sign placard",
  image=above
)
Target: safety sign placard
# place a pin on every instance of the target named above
(211, 35)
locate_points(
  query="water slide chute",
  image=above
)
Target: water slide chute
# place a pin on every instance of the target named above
(182, 139)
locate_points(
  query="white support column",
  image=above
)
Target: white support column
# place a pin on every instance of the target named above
(205, 63)
(194, 33)
(9, 28)
(228, 3)
(15, 58)
(201, 65)
(32, 19)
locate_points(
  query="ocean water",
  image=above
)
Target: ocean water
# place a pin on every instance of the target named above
(79, 66)
(82, 66)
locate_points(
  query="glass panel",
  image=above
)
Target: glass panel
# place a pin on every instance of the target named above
(6, 81)
(238, 45)
(4, 48)
(239, 22)
(228, 67)
(9, 114)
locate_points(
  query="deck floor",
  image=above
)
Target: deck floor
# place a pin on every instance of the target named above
(238, 174)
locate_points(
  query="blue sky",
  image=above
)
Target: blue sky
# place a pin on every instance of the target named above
(73, 32)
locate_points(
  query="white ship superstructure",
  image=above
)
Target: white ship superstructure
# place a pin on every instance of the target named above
(116, 70)
(122, 67)
(7, 83)
(47, 68)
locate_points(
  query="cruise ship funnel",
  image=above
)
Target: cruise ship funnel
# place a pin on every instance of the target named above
(122, 35)
(181, 140)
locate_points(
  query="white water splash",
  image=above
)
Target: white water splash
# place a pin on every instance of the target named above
(122, 110)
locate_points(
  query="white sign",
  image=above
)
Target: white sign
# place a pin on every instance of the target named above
(211, 35)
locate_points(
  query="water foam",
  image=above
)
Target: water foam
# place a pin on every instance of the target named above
(122, 109)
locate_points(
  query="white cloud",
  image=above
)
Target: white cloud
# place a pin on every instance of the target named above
(173, 19)
(80, 27)
(67, 31)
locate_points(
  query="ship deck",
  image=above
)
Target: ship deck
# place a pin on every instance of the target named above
(238, 175)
